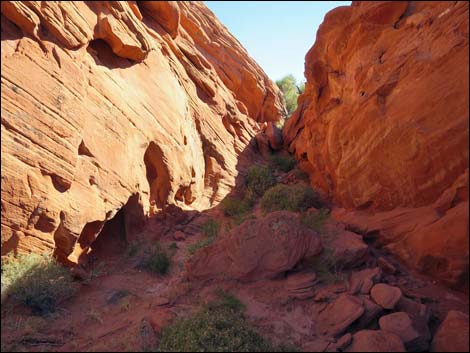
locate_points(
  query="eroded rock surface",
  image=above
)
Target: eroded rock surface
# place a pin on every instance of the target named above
(103, 102)
(383, 126)
(257, 249)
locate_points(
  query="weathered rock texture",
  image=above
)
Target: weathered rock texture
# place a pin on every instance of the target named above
(105, 102)
(383, 126)
(257, 249)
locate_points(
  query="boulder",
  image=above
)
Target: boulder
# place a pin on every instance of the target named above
(257, 249)
(362, 281)
(371, 313)
(339, 315)
(301, 285)
(386, 296)
(401, 324)
(349, 249)
(375, 341)
(452, 334)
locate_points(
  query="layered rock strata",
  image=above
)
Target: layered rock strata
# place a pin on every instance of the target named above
(110, 103)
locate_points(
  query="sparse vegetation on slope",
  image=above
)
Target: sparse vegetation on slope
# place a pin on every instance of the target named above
(37, 281)
(295, 198)
(232, 206)
(315, 220)
(157, 261)
(259, 179)
(218, 327)
(210, 230)
(283, 163)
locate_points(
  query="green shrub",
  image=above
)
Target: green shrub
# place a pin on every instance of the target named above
(259, 179)
(215, 328)
(315, 220)
(283, 163)
(37, 281)
(290, 197)
(326, 267)
(210, 229)
(157, 261)
(200, 244)
(232, 206)
(227, 300)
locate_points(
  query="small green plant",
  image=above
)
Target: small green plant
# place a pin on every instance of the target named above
(157, 261)
(315, 220)
(37, 281)
(211, 230)
(283, 163)
(326, 267)
(232, 206)
(242, 218)
(227, 300)
(215, 328)
(199, 245)
(290, 197)
(259, 179)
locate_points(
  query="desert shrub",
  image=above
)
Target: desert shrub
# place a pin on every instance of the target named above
(232, 206)
(315, 220)
(327, 268)
(157, 261)
(283, 163)
(211, 230)
(199, 245)
(37, 281)
(227, 300)
(217, 327)
(290, 197)
(259, 179)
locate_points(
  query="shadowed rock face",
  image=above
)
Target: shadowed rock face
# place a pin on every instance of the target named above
(103, 102)
(383, 126)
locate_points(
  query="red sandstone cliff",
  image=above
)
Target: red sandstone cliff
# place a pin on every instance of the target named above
(382, 127)
(106, 100)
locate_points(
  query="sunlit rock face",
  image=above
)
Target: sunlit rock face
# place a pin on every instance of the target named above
(383, 126)
(111, 103)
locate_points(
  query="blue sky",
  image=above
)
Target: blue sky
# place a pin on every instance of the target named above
(277, 34)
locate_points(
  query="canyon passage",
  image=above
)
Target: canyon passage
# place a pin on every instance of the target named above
(181, 207)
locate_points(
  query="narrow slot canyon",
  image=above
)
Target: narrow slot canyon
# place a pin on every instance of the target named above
(164, 189)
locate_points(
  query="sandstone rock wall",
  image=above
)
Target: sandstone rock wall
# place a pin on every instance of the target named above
(113, 102)
(383, 126)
